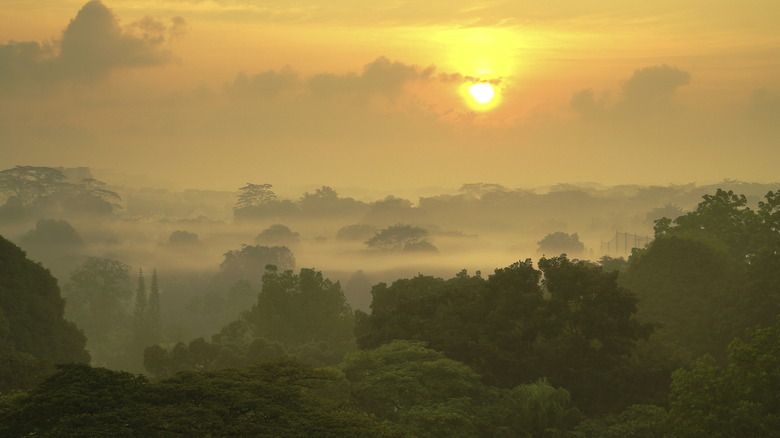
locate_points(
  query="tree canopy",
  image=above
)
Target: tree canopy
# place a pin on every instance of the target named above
(34, 334)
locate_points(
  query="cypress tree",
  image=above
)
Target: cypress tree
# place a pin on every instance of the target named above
(140, 315)
(154, 310)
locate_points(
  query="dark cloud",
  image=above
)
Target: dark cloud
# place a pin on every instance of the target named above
(92, 45)
(651, 88)
(584, 102)
(380, 77)
(649, 91)
(24, 64)
(266, 85)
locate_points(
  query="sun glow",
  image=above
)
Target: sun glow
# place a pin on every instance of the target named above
(480, 96)
(482, 92)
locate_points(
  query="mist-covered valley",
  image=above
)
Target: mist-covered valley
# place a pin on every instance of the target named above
(492, 289)
(185, 235)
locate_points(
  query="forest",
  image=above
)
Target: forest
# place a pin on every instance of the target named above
(486, 311)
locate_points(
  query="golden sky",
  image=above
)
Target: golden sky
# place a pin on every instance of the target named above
(349, 93)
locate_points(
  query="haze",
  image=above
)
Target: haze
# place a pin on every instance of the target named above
(211, 95)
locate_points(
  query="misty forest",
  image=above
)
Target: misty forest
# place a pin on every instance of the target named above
(488, 311)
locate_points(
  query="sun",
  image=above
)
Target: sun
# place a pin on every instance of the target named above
(483, 93)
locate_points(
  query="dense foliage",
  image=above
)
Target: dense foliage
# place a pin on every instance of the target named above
(34, 334)
(568, 321)
(278, 399)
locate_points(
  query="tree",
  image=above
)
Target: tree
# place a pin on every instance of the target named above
(687, 287)
(401, 237)
(56, 244)
(588, 319)
(282, 398)
(576, 328)
(712, 272)
(325, 202)
(561, 243)
(306, 312)
(30, 184)
(29, 187)
(254, 195)
(249, 262)
(737, 399)
(154, 310)
(668, 210)
(181, 237)
(278, 234)
(355, 232)
(34, 334)
(92, 196)
(430, 394)
(98, 300)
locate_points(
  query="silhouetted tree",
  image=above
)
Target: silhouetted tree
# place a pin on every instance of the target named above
(254, 195)
(355, 232)
(249, 262)
(30, 184)
(91, 196)
(401, 237)
(558, 243)
(278, 234)
(154, 310)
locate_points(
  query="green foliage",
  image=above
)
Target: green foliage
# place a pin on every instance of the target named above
(434, 396)
(302, 315)
(687, 287)
(539, 410)
(711, 273)
(739, 399)
(33, 332)
(579, 330)
(304, 311)
(636, 421)
(402, 374)
(283, 399)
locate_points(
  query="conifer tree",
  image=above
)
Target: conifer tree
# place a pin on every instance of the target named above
(154, 311)
(140, 315)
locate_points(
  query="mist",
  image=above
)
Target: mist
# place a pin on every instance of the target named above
(185, 235)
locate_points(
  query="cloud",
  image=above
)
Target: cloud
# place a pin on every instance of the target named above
(649, 91)
(92, 45)
(265, 85)
(381, 77)
(584, 102)
(652, 88)
(24, 64)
